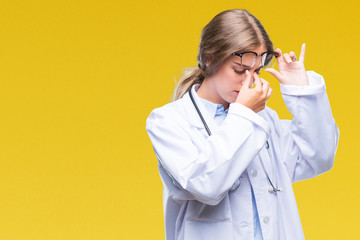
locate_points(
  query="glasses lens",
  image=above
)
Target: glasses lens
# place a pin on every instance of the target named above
(268, 60)
(248, 60)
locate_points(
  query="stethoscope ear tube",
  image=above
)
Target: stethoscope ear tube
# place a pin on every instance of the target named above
(198, 111)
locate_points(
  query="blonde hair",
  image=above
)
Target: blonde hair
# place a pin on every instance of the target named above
(230, 31)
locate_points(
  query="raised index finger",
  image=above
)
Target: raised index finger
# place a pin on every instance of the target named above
(302, 53)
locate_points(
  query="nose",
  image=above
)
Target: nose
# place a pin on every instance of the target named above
(252, 72)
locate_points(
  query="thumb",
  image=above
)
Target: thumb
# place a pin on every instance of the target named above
(275, 74)
(248, 79)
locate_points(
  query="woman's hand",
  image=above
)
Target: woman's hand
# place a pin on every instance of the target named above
(291, 72)
(254, 98)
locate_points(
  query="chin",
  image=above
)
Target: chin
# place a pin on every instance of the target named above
(231, 99)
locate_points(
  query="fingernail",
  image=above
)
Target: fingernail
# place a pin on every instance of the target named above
(247, 72)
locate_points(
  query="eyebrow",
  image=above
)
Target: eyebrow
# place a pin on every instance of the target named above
(242, 67)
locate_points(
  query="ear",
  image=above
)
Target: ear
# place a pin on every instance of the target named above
(209, 59)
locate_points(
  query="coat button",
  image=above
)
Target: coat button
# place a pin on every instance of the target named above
(266, 220)
(253, 172)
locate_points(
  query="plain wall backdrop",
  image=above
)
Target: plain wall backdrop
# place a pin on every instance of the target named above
(79, 78)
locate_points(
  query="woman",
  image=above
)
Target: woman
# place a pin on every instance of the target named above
(226, 160)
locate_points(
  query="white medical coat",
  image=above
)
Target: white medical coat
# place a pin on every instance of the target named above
(207, 180)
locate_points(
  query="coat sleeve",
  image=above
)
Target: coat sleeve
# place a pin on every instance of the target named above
(209, 173)
(309, 141)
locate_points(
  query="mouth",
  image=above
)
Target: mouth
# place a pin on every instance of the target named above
(237, 92)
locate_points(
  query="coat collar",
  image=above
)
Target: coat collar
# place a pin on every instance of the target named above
(192, 114)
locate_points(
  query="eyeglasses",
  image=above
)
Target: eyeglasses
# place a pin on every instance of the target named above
(249, 59)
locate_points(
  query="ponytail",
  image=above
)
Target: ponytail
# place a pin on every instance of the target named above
(192, 76)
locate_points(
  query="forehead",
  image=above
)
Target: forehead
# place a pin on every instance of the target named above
(258, 50)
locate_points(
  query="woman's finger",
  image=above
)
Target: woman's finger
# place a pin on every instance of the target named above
(270, 91)
(275, 73)
(266, 85)
(292, 56)
(248, 79)
(257, 82)
(280, 57)
(287, 58)
(302, 53)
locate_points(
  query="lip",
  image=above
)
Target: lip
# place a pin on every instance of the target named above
(237, 92)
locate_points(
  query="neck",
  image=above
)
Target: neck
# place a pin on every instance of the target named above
(208, 92)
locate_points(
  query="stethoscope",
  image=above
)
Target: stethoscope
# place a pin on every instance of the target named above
(272, 188)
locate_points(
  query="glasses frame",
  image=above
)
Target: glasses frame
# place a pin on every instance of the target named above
(257, 54)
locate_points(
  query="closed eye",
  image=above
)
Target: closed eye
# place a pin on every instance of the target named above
(243, 71)
(239, 72)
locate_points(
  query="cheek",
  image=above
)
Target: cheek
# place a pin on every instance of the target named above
(229, 80)
(235, 79)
